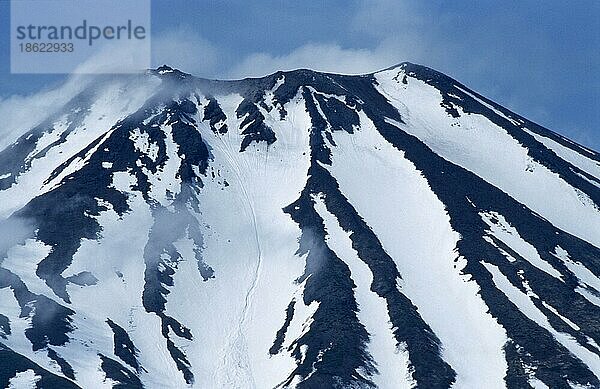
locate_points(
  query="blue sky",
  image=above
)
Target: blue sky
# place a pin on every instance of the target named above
(538, 58)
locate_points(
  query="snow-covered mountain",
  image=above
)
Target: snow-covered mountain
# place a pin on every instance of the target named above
(309, 230)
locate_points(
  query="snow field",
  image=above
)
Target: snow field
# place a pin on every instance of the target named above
(397, 203)
(475, 143)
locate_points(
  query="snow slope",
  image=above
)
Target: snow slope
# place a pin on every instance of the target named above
(300, 230)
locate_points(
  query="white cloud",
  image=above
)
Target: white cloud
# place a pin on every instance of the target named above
(325, 57)
(317, 56)
(20, 113)
(14, 231)
(117, 57)
(397, 28)
(184, 49)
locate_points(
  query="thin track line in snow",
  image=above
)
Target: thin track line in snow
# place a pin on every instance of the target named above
(232, 363)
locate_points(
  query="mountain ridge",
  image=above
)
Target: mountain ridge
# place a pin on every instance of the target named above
(417, 68)
(349, 231)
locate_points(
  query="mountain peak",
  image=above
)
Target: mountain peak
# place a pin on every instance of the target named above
(167, 71)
